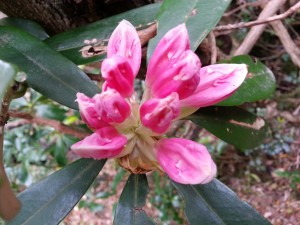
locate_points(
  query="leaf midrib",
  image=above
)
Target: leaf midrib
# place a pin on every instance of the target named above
(206, 203)
(78, 176)
(36, 63)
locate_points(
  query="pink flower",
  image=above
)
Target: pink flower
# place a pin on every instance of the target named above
(159, 113)
(111, 107)
(133, 130)
(185, 161)
(88, 113)
(118, 75)
(104, 143)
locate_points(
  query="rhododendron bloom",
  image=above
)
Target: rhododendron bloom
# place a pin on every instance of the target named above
(134, 131)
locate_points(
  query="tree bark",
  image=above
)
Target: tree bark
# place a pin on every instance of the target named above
(60, 15)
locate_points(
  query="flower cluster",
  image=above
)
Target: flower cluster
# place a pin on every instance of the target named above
(132, 130)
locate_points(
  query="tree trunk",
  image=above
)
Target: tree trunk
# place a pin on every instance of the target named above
(60, 15)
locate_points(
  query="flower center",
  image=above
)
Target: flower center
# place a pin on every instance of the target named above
(138, 155)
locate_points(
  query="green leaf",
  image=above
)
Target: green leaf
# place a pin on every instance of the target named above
(51, 199)
(259, 84)
(26, 25)
(133, 198)
(70, 42)
(48, 72)
(7, 74)
(216, 204)
(233, 125)
(200, 16)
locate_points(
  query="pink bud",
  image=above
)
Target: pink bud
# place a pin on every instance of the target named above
(104, 143)
(111, 106)
(88, 112)
(125, 42)
(217, 82)
(182, 77)
(185, 161)
(167, 52)
(118, 75)
(158, 114)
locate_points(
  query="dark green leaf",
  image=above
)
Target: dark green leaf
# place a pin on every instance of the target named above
(216, 204)
(200, 17)
(133, 198)
(233, 125)
(7, 74)
(259, 84)
(48, 72)
(26, 25)
(70, 42)
(50, 200)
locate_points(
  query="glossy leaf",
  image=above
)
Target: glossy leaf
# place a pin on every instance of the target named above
(200, 17)
(70, 42)
(133, 198)
(7, 74)
(233, 125)
(50, 200)
(259, 84)
(48, 72)
(26, 25)
(216, 204)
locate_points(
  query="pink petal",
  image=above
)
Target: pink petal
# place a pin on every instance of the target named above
(185, 161)
(111, 106)
(118, 75)
(125, 42)
(104, 143)
(88, 112)
(167, 52)
(181, 77)
(158, 114)
(217, 82)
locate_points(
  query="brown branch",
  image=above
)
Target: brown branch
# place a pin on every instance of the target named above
(249, 41)
(48, 122)
(146, 34)
(95, 77)
(288, 43)
(9, 204)
(244, 5)
(213, 47)
(289, 12)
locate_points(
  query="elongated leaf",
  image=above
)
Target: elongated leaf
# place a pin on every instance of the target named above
(48, 72)
(200, 17)
(216, 204)
(27, 25)
(50, 200)
(7, 74)
(133, 198)
(70, 42)
(233, 125)
(259, 84)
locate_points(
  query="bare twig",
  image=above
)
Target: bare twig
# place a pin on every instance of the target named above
(270, 9)
(286, 40)
(244, 5)
(96, 77)
(290, 11)
(48, 122)
(9, 204)
(213, 47)
(146, 34)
